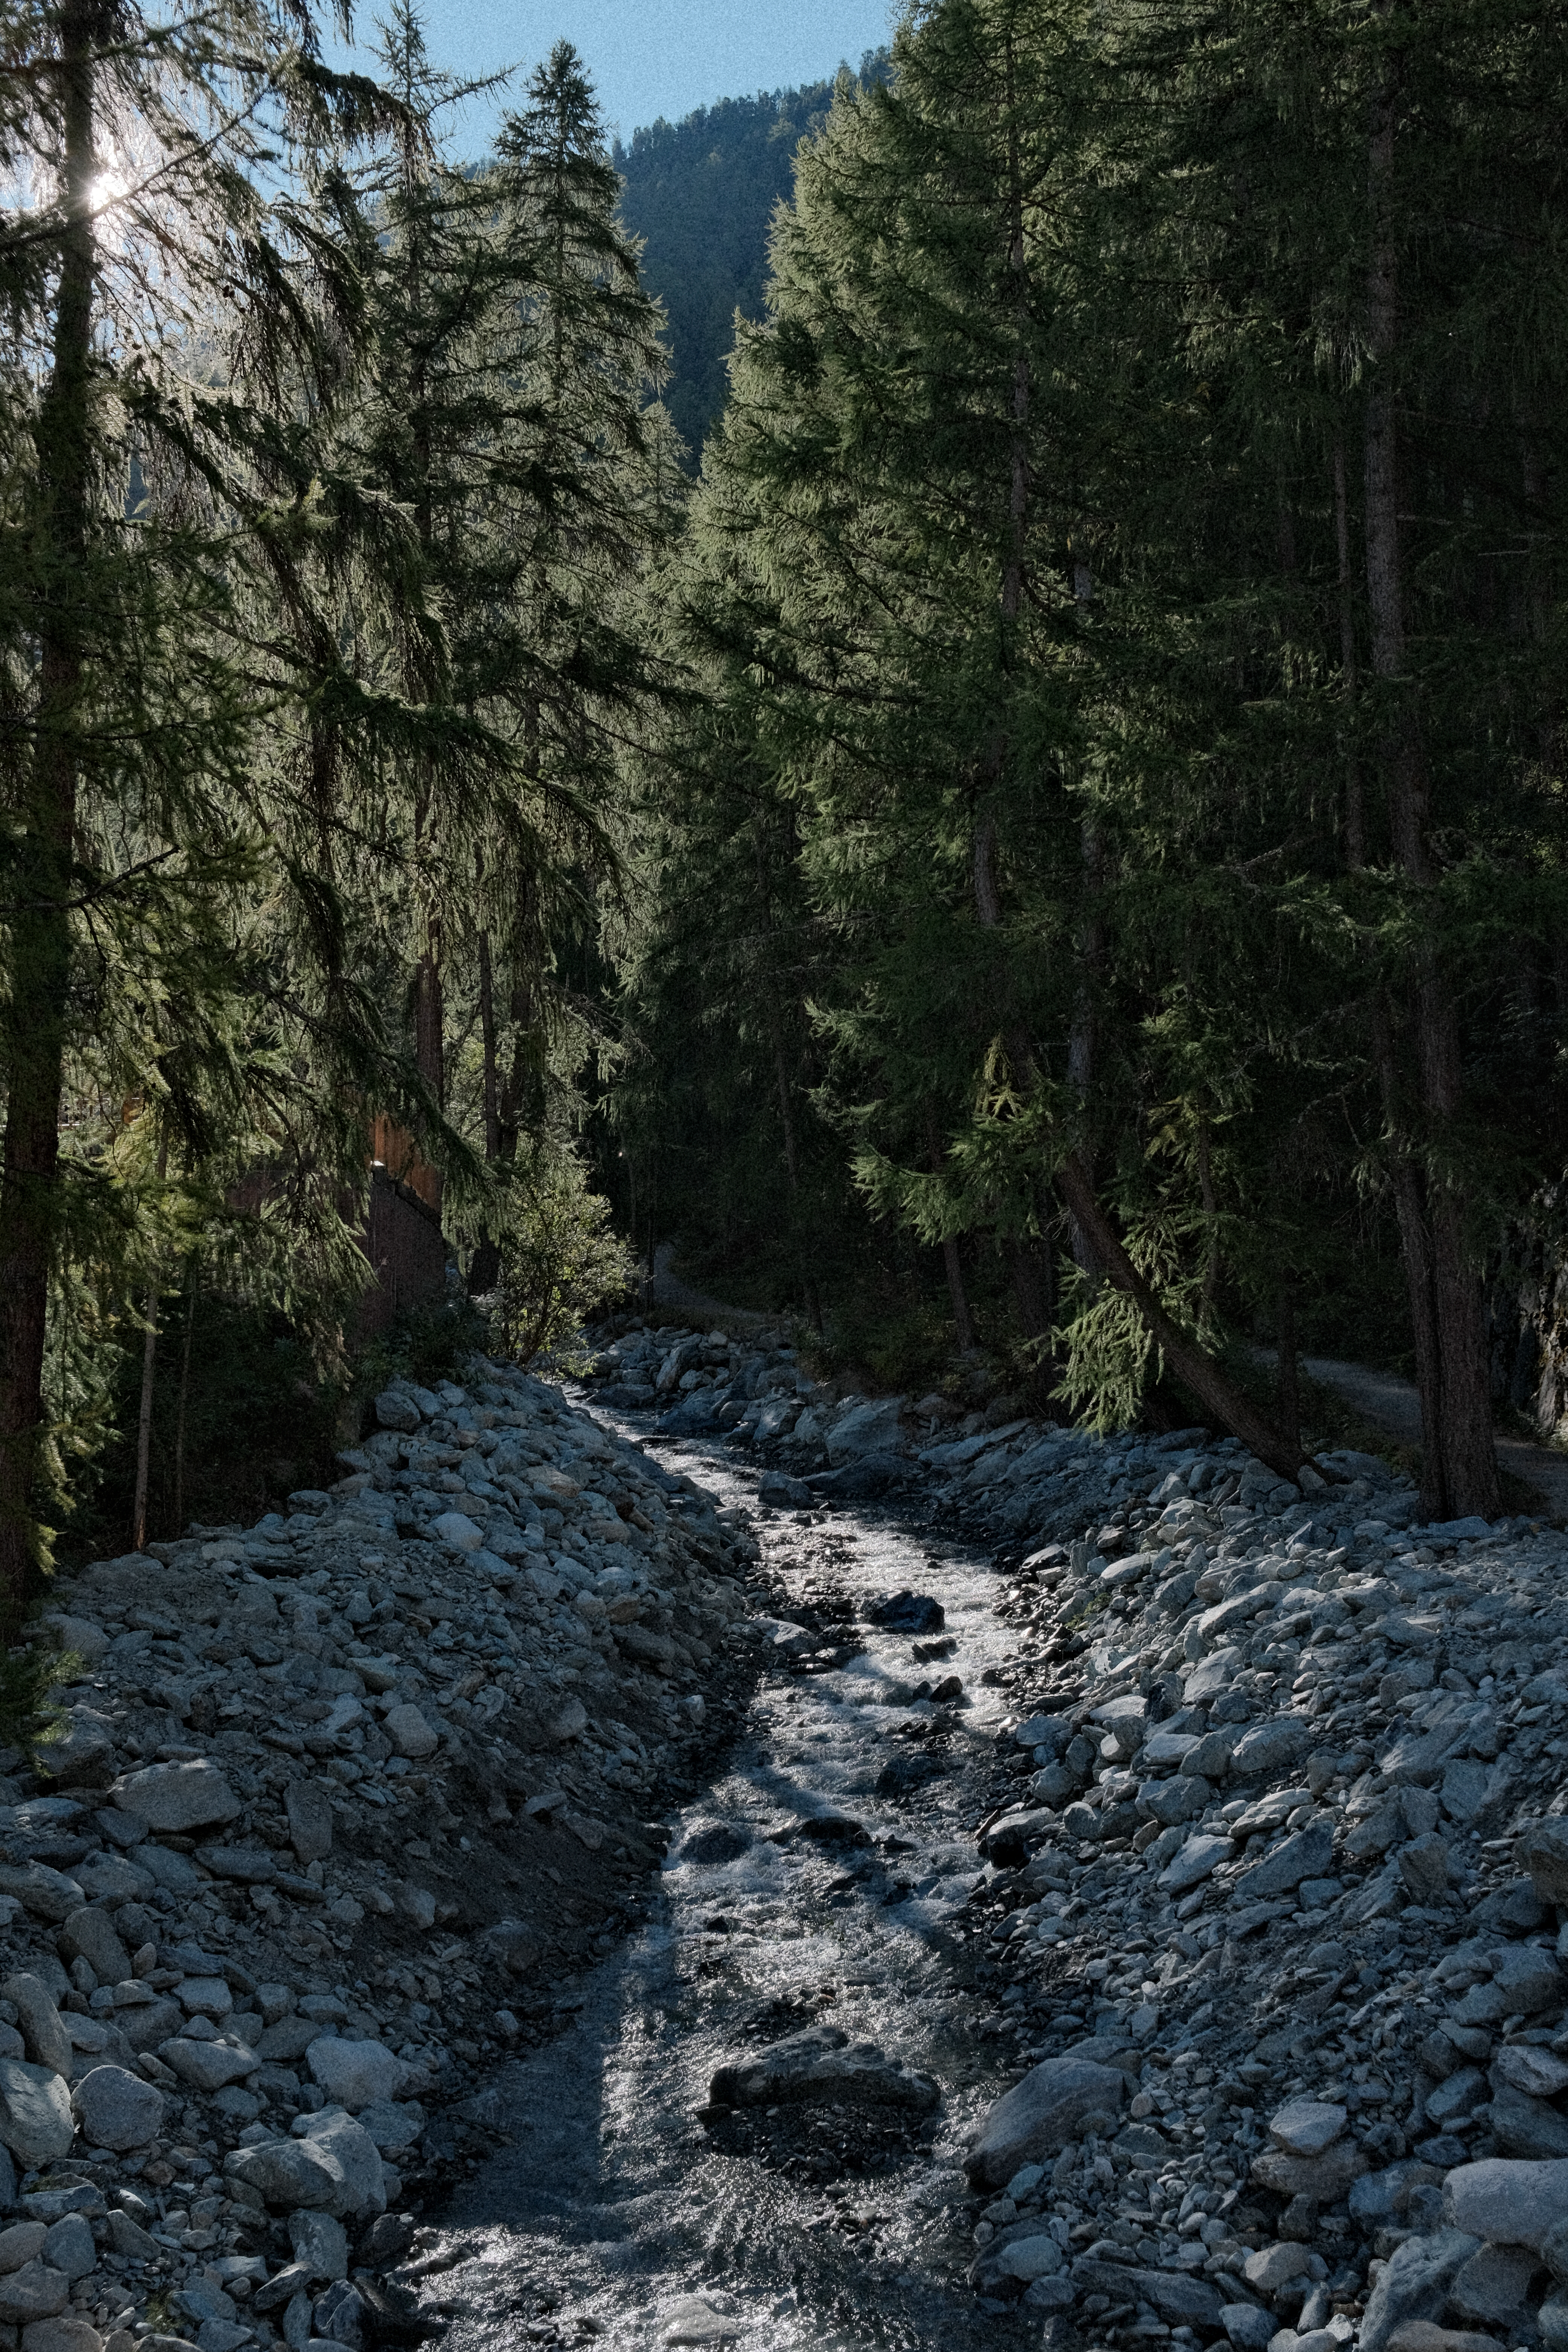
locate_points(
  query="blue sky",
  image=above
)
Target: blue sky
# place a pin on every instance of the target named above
(650, 57)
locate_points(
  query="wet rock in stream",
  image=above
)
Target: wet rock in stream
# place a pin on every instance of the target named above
(818, 2066)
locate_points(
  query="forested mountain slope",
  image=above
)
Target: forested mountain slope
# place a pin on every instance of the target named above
(701, 193)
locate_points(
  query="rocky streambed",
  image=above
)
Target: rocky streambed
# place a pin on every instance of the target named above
(340, 1806)
(1104, 1894)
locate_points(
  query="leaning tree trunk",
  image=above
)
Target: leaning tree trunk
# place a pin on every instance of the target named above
(1459, 1469)
(1092, 1229)
(952, 1264)
(36, 1015)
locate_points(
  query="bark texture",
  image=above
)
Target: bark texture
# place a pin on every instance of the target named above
(41, 934)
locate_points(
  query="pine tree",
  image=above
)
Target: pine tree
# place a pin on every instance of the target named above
(165, 249)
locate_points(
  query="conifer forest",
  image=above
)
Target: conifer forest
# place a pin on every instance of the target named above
(946, 691)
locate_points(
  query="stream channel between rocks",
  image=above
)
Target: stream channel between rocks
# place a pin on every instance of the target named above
(618, 2211)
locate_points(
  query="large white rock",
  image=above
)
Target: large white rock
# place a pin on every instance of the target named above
(177, 1797)
(354, 2075)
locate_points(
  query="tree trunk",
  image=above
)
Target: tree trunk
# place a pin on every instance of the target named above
(1288, 1382)
(488, 1040)
(484, 1267)
(1083, 1041)
(34, 1020)
(1029, 1263)
(184, 1397)
(1201, 1375)
(145, 1419)
(952, 1264)
(429, 1044)
(813, 1295)
(1190, 1362)
(1460, 1471)
(149, 1375)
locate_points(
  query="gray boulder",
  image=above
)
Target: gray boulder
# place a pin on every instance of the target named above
(1306, 1855)
(1271, 1747)
(116, 2109)
(44, 2036)
(149, 2024)
(177, 1797)
(1543, 1852)
(1210, 1758)
(321, 2243)
(1527, 2127)
(46, 1894)
(1528, 1980)
(69, 2246)
(1493, 2284)
(81, 1755)
(80, 1634)
(1324, 2179)
(1424, 1868)
(822, 2064)
(1414, 2284)
(34, 2291)
(353, 2073)
(1038, 2117)
(1199, 1858)
(207, 2065)
(1180, 2300)
(396, 1411)
(348, 2150)
(394, 2124)
(22, 2243)
(1249, 2328)
(409, 1732)
(867, 1429)
(90, 1934)
(127, 2237)
(36, 2120)
(310, 1812)
(288, 2173)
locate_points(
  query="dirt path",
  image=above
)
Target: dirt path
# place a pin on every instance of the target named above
(1391, 1403)
(669, 1290)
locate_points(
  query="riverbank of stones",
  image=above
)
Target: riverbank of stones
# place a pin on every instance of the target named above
(338, 1806)
(1272, 1887)
(1272, 1877)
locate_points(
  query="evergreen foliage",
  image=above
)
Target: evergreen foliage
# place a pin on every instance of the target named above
(1130, 557)
(329, 476)
(700, 195)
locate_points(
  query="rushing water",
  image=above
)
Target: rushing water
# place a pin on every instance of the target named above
(616, 2204)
